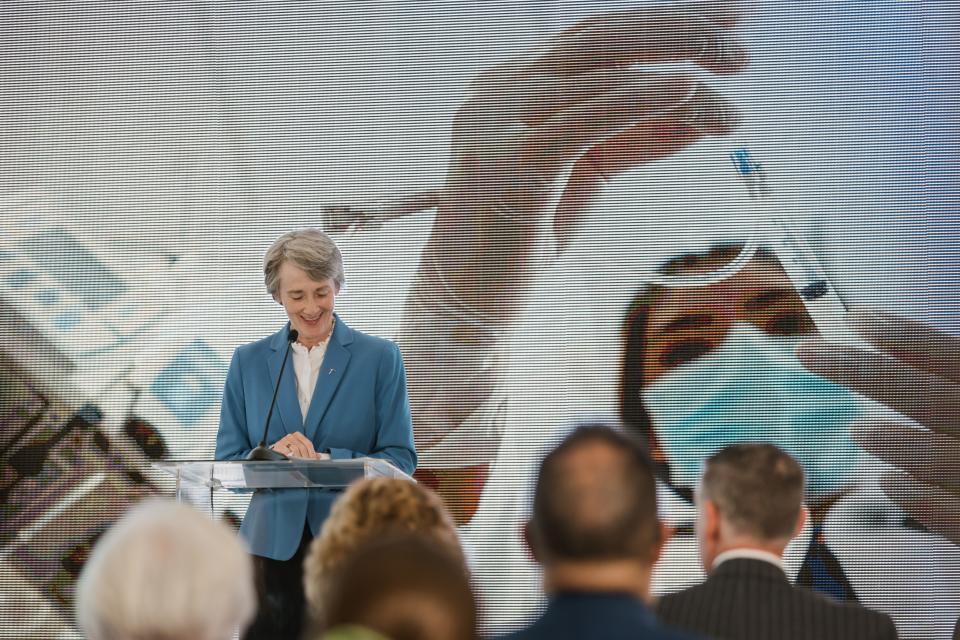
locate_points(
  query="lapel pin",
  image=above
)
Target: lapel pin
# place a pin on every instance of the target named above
(331, 371)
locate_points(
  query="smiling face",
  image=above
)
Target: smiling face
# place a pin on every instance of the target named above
(308, 303)
(687, 323)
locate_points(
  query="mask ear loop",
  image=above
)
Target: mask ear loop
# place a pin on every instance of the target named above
(352, 219)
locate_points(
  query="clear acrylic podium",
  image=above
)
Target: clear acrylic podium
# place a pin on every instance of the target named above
(241, 476)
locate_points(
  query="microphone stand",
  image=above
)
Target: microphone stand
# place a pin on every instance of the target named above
(262, 451)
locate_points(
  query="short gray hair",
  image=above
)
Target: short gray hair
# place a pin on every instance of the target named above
(310, 249)
(757, 488)
(166, 571)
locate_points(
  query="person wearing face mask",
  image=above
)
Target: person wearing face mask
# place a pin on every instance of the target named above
(740, 360)
(712, 366)
(342, 395)
(532, 147)
(706, 386)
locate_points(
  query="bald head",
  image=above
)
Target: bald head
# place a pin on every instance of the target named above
(595, 500)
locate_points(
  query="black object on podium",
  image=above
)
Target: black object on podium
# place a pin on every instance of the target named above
(262, 451)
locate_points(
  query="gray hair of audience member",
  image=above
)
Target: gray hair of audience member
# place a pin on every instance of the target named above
(757, 489)
(166, 571)
(606, 512)
(405, 587)
(310, 249)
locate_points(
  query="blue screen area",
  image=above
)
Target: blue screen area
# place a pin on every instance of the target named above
(191, 384)
(58, 254)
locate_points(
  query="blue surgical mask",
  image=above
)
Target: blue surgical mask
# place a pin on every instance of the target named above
(753, 388)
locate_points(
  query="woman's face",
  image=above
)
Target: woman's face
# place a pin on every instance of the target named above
(308, 303)
(687, 323)
(752, 390)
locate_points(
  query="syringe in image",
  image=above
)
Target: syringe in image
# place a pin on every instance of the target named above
(799, 262)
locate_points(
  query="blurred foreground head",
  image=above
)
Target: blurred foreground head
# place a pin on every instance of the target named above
(595, 513)
(369, 510)
(403, 587)
(166, 571)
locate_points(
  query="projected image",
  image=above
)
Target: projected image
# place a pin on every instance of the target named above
(562, 213)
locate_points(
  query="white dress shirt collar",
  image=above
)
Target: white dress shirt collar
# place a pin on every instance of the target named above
(751, 554)
(306, 366)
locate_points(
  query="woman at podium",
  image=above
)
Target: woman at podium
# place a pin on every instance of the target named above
(338, 394)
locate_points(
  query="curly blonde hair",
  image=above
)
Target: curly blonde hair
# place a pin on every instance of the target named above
(370, 509)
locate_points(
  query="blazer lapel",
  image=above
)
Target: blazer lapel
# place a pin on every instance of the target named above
(288, 407)
(332, 370)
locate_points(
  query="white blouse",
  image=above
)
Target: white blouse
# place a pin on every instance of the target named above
(306, 365)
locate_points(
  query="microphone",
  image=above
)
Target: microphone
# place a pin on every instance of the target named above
(262, 451)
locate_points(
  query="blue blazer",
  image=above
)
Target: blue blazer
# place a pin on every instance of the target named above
(359, 409)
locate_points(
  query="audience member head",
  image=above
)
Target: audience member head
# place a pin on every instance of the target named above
(750, 496)
(370, 509)
(166, 571)
(594, 525)
(405, 587)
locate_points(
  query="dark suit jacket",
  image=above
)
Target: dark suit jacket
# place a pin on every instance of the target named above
(743, 599)
(600, 616)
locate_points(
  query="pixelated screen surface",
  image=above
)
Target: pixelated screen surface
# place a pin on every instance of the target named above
(505, 181)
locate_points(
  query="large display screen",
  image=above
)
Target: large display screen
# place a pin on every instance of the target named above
(562, 211)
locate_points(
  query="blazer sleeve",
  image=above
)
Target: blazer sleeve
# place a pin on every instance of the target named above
(233, 440)
(393, 440)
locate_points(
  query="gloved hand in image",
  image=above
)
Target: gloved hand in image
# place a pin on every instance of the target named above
(532, 145)
(918, 375)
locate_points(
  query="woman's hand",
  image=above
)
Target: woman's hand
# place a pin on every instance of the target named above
(297, 445)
